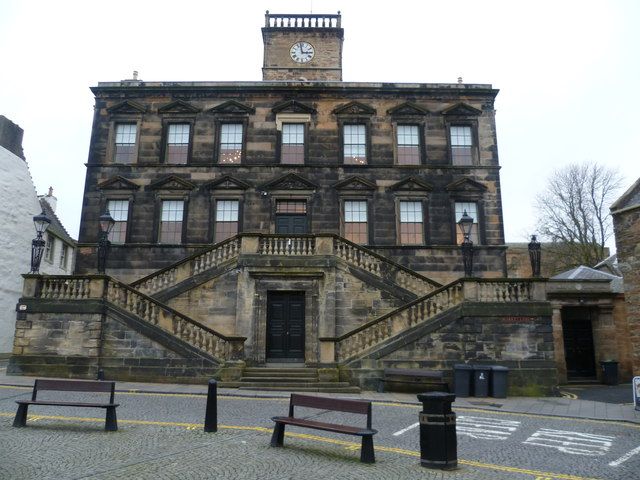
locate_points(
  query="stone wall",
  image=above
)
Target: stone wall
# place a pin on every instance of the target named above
(626, 224)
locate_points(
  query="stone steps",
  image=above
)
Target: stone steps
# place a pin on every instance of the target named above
(300, 379)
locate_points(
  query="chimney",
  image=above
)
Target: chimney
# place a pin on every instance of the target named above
(11, 136)
(51, 199)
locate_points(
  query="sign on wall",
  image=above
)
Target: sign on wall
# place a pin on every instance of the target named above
(636, 392)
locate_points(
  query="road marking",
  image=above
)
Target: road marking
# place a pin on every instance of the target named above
(575, 443)
(625, 457)
(486, 428)
(411, 453)
(569, 395)
(620, 423)
(404, 430)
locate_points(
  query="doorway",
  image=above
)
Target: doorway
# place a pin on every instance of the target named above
(291, 217)
(579, 351)
(285, 326)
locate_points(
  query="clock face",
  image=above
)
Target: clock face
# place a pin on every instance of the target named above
(302, 52)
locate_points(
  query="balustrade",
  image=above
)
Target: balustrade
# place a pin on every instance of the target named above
(65, 288)
(302, 21)
(516, 291)
(286, 245)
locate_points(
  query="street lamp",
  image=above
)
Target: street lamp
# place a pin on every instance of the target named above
(466, 224)
(106, 224)
(535, 256)
(41, 222)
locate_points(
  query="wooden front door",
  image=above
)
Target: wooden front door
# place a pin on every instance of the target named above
(579, 352)
(285, 326)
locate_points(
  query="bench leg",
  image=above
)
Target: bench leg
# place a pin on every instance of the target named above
(277, 438)
(367, 454)
(21, 416)
(111, 421)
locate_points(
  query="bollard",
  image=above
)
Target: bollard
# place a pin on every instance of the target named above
(100, 375)
(438, 443)
(211, 415)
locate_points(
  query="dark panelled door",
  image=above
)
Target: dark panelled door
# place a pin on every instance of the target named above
(285, 326)
(578, 342)
(291, 224)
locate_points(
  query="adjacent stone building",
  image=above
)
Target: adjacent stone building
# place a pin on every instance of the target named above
(626, 223)
(20, 204)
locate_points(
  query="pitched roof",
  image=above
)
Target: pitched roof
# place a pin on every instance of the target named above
(587, 273)
(629, 199)
(56, 227)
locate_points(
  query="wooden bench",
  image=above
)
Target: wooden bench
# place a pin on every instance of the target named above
(334, 404)
(111, 422)
(413, 379)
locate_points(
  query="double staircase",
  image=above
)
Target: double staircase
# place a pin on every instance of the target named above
(426, 306)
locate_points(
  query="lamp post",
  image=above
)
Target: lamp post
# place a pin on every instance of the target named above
(41, 223)
(106, 224)
(466, 224)
(535, 256)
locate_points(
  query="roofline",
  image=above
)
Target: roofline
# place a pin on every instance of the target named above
(258, 86)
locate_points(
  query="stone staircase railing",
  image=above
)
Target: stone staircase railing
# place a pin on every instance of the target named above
(172, 275)
(151, 311)
(380, 266)
(356, 342)
(286, 245)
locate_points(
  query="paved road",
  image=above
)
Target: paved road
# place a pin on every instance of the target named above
(161, 436)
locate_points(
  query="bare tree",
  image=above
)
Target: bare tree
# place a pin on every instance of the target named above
(573, 213)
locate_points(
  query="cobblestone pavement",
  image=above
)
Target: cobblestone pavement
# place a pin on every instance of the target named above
(160, 436)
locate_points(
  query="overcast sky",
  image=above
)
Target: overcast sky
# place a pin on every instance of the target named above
(568, 73)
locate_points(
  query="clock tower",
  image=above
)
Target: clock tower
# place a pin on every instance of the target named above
(305, 47)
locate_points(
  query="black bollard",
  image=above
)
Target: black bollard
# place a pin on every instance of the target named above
(100, 374)
(438, 444)
(211, 415)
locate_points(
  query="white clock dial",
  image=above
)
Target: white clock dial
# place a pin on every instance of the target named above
(302, 52)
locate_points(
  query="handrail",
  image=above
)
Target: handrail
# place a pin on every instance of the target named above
(354, 342)
(144, 307)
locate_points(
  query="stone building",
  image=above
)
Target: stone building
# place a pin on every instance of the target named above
(626, 224)
(299, 219)
(20, 204)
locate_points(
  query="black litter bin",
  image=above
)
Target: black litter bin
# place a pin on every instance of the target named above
(499, 376)
(462, 375)
(609, 372)
(481, 376)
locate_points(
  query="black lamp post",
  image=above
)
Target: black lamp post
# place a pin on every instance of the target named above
(466, 224)
(534, 256)
(41, 223)
(106, 224)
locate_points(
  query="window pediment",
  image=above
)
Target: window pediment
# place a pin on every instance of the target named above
(411, 184)
(118, 183)
(178, 106)
(466, 185)
(291, 181)
(354, 108)
(355, 183)
(128, 106)
(226, 182)
(407, 109)
(462, 110)
(231, 107)
(171, 183)
(293, 106)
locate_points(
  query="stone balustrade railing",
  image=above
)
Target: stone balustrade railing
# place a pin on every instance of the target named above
(98, 287)
(211, 258)
(356, 342)
(287, 245)
(286, 20)
(378, 265)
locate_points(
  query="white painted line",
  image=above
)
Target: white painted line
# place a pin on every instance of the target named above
(486, 428)
(404, 430)
(571, 442)
(625, 457)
